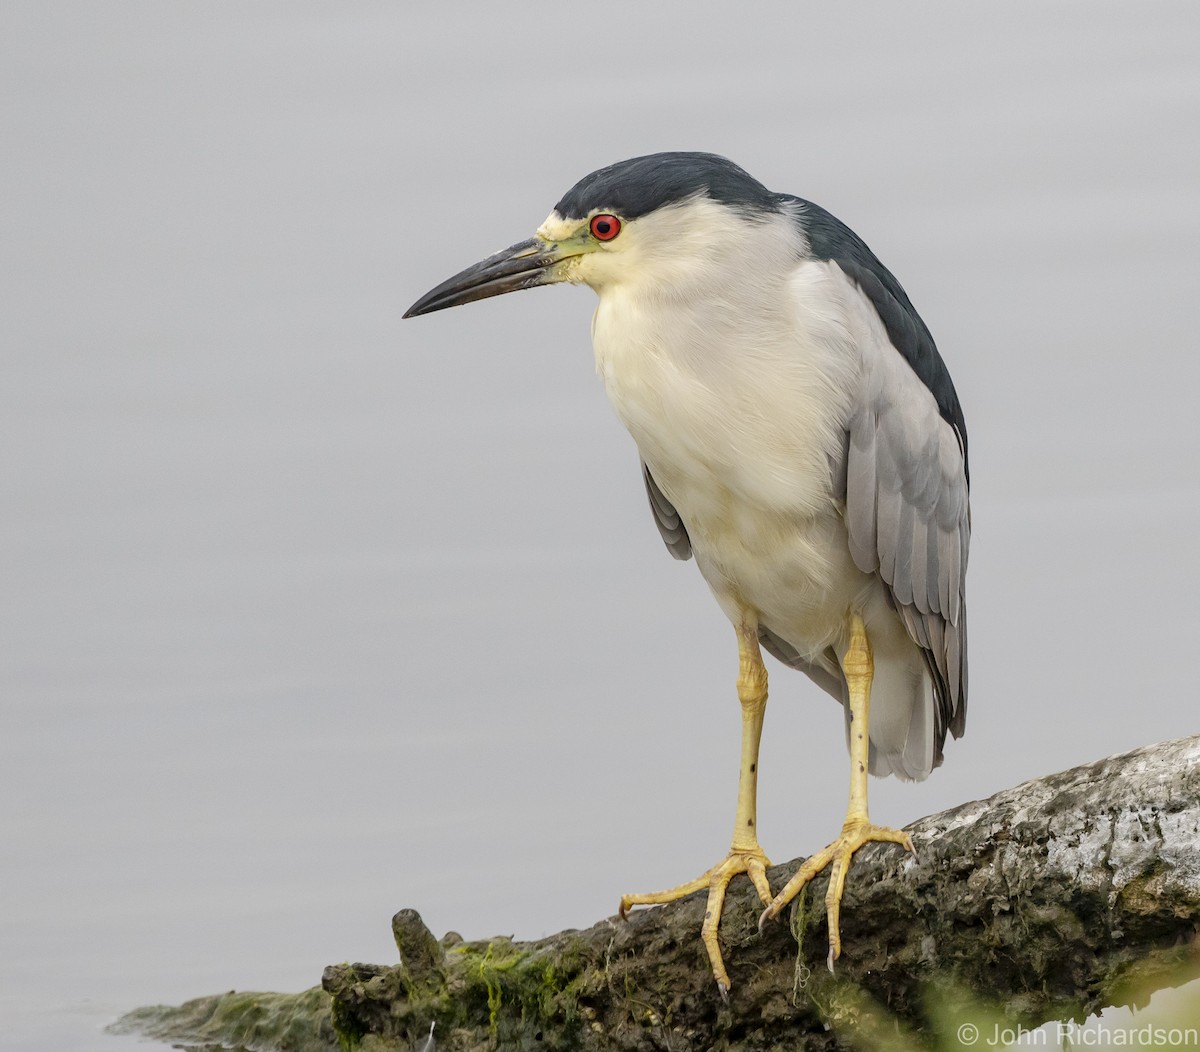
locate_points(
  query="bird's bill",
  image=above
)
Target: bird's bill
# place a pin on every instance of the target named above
(524, 265)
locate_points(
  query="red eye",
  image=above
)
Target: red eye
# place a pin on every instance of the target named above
(605, 227)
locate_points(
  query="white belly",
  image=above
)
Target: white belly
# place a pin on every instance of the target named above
(794, 575)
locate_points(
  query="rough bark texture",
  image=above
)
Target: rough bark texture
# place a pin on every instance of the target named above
(1049, 901)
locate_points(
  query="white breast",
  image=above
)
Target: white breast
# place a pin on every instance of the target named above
(738, 404)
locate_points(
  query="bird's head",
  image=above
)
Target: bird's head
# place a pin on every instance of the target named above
(667, 220)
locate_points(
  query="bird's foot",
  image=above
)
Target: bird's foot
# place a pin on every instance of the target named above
(856, 832)
(750, 861)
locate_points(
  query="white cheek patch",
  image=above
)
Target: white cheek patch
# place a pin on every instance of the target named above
(555, 228)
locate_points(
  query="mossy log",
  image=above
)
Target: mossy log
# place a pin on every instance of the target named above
(1048, 901)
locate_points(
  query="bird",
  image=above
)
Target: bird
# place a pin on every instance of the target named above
(801, 439)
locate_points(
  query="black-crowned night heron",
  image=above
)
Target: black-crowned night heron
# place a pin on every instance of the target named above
(800, 436)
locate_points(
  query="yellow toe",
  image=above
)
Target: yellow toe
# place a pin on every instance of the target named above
(752, 862)
(856, 833)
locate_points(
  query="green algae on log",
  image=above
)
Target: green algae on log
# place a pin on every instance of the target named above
(1049, 901)
(240, 1020)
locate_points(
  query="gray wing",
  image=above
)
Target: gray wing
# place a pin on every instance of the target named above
(907, 503)
(906, 478)
(666, 518)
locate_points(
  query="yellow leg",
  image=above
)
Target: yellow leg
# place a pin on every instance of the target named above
(857, 830)
(745, 855)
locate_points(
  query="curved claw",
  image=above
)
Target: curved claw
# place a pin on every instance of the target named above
(769, 914)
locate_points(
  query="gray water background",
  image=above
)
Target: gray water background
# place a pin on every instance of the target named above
(307, 614)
